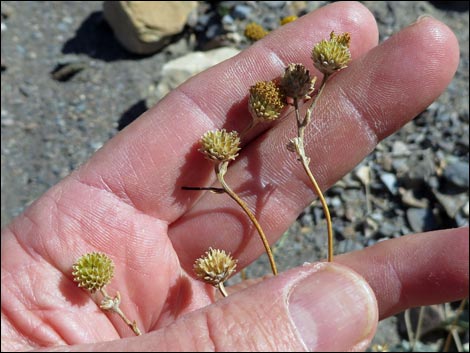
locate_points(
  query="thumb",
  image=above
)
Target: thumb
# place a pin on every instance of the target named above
(319, 307)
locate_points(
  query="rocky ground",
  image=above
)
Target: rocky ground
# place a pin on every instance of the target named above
(68, 86)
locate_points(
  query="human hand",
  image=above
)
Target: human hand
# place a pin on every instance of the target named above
(127, 202)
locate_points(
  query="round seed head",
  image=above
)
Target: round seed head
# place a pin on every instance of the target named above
(332, 55)
(255, 31)
(296, 82)
(215, 266)
(288, 19)
(220, 145)
(93, 271)
(266, 101)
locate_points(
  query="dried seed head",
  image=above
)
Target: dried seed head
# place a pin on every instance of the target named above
(215, 266)
(220, 145)
(288, 19)
(266, 101)
(344, 39)
(296, 82)
(93, 271)
(255, 31)
(332, 55)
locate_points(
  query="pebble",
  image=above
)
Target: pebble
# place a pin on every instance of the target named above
(451, 203)
(390, 181)
(241, 11)
(465, 209)
(227, 20)
(457, 173)
(348, 245)
(213, 31)
(8, 122)
(388, 229)
(408, 198)
(363, 174)
(420, 219)
(400, 149)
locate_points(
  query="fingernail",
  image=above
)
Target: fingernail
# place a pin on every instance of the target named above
(333, 310)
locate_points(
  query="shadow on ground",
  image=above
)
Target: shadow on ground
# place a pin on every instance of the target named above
(95, 38)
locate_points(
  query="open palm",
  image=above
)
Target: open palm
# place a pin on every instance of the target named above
(127, 200)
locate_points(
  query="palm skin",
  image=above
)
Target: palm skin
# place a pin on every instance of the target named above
(127, 200)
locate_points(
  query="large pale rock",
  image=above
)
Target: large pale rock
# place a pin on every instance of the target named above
(179, 70)
(143, 27)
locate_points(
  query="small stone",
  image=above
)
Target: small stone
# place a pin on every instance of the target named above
(227, 20)
(465, 209)
(387, 162)
(363, 174)
(377, 216)
(388, 229)
(297, 7)
(241, 11)
(457, 173)
(420, 219)
(335, 202)
(65, 72)
(213, 31)
(348, 245)
(8, 122)
(349, 232)
(460, 220)
(179, 70)
(400, 149)
(7, 10)
(451, 203)
(390, 181)
(400, 166)
(408, 198)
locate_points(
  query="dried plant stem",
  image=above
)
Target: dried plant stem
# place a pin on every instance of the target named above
(248, 128)
(243, 274)
(220, 170)
(117, 310)
(417, 335)
(222, 289)
(409, 328)
(453, 333)
(299, 144)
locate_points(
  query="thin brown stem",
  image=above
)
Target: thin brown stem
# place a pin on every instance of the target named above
(418, 328)
(222, 289)
(248, 128)
(220, 170)
(116, 309)
(299, 144)
(132, 325)
(458, 312)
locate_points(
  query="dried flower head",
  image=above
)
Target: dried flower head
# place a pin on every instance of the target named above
(255, 31)
(266, 101)
(215, 266)
(288, 19)
(93, 271)
(332, 55)
(296, 82)
(220, 145)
